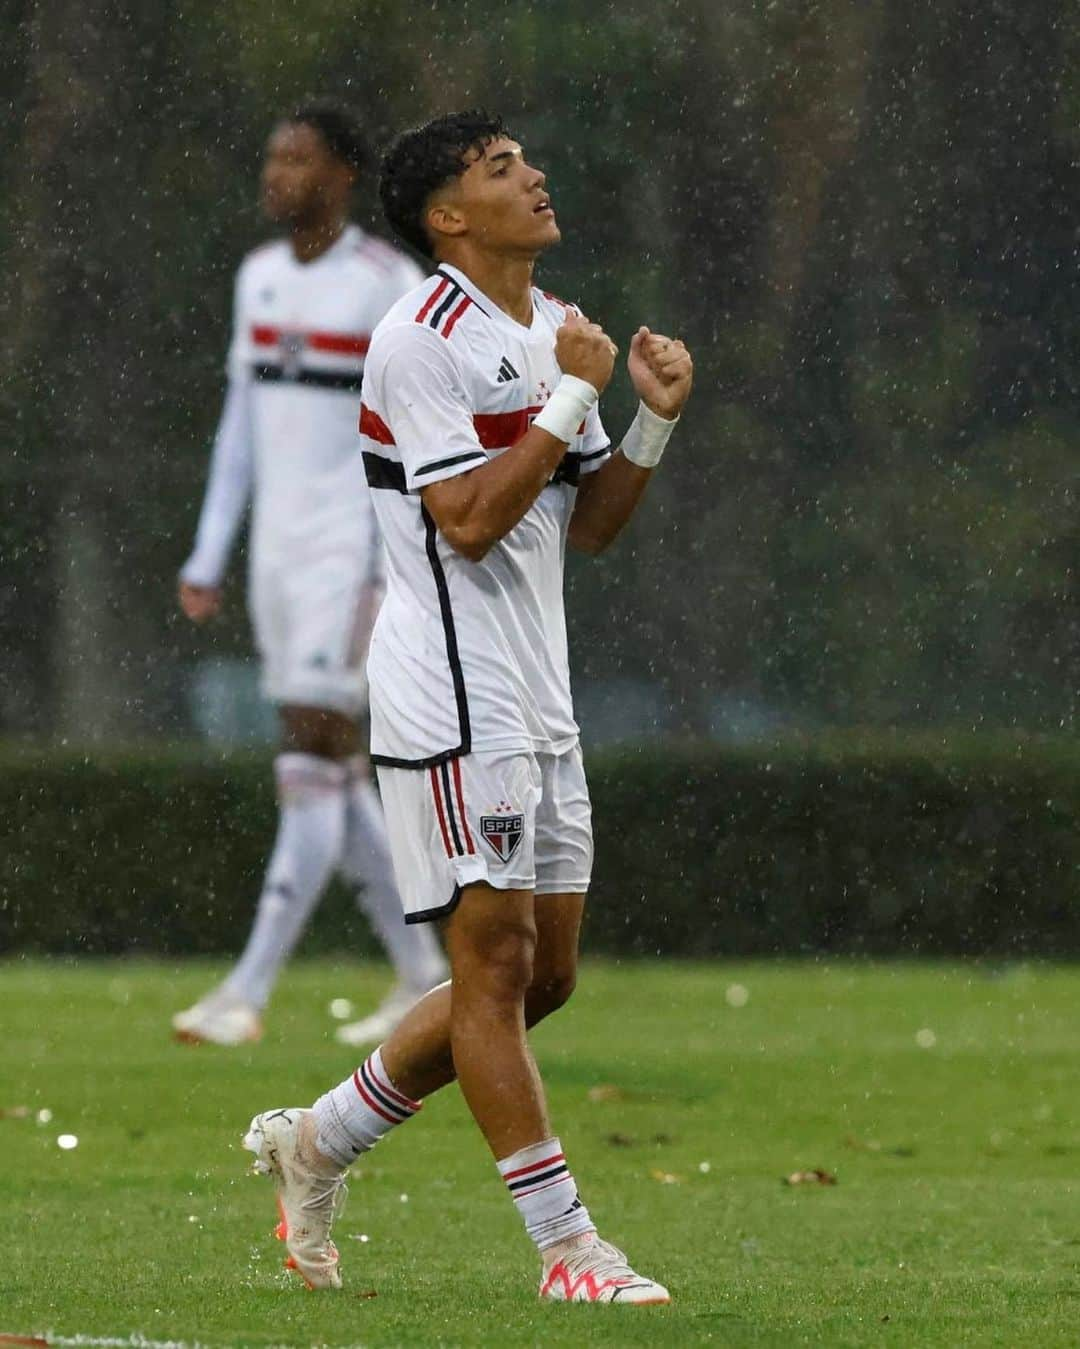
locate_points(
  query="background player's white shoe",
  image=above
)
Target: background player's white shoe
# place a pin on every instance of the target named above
(218, 1020)
(309, 1196)
(375, 1028)
(598, 1272)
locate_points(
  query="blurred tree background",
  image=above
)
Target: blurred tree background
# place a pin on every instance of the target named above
(862, 215)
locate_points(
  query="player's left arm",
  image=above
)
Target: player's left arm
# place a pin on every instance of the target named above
(662, 372)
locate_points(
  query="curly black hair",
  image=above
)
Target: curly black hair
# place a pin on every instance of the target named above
(338, 126)
(423, 159)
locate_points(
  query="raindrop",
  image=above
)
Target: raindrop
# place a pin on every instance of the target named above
(67, 1142)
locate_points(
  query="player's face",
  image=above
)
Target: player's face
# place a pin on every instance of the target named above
(301, 179)
(505, 202)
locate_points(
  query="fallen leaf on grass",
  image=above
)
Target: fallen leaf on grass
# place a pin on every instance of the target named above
(665, 1177)
(14, 1112)
(606, 1091)
(618, 1140)
(815, 1177)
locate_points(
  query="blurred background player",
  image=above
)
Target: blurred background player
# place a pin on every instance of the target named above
(305, 307)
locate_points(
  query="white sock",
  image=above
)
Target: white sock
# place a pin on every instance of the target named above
(311, 832)
(544, 1191)
(413, 949)
(354, 1115)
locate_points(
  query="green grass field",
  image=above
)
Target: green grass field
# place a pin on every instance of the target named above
(955, 1219)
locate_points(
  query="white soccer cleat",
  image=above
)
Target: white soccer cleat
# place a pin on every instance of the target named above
(598, 1272)
(308, 1198)
(218, 1020)
(375, 1028)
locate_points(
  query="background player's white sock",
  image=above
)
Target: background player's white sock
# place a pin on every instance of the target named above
(354, 1115)
(413, 950)
(544, 1191)
(311, 833)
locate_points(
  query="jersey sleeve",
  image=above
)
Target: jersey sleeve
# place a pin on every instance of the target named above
(425, 405)
(228, 489)
(595, 443)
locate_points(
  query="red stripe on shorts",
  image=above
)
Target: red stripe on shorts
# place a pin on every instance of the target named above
(439, 807)
(456, 765)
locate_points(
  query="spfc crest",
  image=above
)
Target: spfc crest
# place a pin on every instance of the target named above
(292, 351)
(502, 834)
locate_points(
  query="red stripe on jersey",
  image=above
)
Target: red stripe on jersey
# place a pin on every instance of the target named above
(535, 1166)
(456, 766)
(439, 807)
(449, 325)
(499, 430)
(342, 344)
(373, 426)
(429, 303)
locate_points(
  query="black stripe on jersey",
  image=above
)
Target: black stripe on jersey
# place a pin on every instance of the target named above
(569, 471)
(436, 464)
(348, 380)
(457, 678)
(455, 292)
(426, 915)
(439, 272)
(384, 473)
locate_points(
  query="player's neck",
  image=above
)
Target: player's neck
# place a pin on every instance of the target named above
(310, 239)
(505, 281)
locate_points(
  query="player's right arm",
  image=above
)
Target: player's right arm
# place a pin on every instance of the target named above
(228, 491)
(475, 509)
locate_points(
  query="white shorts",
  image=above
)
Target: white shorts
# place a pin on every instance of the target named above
(517, 820)
(312, 627)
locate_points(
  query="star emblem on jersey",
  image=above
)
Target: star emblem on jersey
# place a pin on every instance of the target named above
(507, 372)
(503, 830)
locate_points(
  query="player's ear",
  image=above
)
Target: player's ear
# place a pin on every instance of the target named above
(445, 219)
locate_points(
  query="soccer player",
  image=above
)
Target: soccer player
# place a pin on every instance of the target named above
(485, 453)
(305, 307)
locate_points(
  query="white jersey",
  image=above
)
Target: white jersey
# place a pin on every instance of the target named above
(466, 655)
(287, 435)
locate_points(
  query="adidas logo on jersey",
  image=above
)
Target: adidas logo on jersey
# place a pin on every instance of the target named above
(507, 372)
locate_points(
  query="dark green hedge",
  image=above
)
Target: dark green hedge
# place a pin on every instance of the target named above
(847, 843)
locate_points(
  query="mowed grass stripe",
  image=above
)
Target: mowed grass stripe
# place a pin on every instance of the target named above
(955, 1219)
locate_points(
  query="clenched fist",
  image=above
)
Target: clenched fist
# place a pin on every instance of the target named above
(662, 372)
(585, 350)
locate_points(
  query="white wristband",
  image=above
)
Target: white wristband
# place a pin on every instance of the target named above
(644, 442)
(567, 408)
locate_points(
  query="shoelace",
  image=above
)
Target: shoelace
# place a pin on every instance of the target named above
(601, 1257)
(333, 1197)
